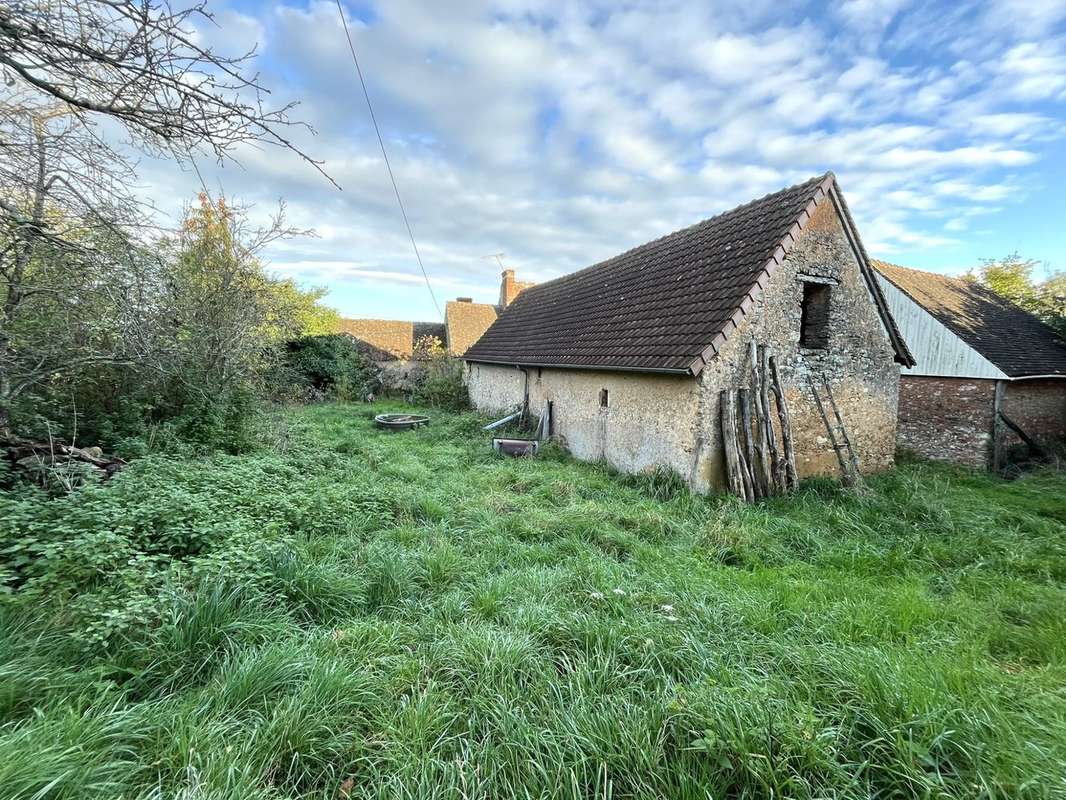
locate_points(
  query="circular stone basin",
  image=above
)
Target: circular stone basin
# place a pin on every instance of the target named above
(400, 422)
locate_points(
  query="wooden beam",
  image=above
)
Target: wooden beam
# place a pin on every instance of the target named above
(791, 477)
(726, 402)
(997, 427)
(777, 467)
(764, 474)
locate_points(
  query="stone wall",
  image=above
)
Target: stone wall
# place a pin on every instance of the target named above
(1038, 406)
(654, 420)
(648, 422)
(857, 359)
(947, 419)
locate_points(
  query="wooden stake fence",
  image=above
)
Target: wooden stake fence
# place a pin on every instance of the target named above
(754, 467)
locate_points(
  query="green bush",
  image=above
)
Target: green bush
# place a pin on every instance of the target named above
(442, 385)
(326, 367)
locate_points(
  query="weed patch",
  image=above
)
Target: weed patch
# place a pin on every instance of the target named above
(368, 614)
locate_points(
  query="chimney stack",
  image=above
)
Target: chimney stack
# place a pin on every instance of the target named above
(510, 288)
(464, 299)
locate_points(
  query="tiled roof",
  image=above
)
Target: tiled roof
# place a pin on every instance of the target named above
(466, 322)
(387, 339)
(667, 305)
(1008, 336)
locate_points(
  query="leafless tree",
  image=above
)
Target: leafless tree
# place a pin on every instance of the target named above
(141, 63)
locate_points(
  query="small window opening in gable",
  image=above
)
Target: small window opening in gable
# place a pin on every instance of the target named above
(814, 316)
(604, 399)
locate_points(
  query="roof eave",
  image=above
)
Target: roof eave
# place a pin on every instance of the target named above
(685, 371)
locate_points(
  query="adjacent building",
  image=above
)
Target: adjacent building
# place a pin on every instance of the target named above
(633, 351)
(983, 366)
(464, 322)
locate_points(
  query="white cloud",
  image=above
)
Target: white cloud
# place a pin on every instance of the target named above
(562, 133)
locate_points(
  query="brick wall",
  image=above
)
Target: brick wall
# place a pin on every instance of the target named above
(947, 419)
(1038, 406)
(511, 288)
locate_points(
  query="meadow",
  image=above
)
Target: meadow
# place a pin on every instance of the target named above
(353, 613)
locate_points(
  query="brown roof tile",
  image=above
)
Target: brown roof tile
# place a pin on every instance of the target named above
(466, 323)
(666, 305)
(385, 339)
(1008, 336)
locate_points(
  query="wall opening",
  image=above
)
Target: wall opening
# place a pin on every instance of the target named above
(814, 316)
(604, 398)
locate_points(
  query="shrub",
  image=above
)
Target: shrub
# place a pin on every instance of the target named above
(442, 385)
(330, 366)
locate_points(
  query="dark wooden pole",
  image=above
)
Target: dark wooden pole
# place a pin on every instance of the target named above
(777, 473)
(726, 403)
(747, 445)
(764, 474)
(791, 477)
(997, 427)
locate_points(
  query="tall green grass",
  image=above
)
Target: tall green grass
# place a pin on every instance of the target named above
(370, 614)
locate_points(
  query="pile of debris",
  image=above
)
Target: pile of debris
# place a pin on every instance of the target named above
(50, 463)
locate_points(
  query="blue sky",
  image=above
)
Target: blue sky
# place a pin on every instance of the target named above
(561, 133)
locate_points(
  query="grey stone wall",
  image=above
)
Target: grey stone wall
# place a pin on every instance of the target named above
(858, 358)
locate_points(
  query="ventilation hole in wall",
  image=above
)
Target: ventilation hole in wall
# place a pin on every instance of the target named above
(604, 399)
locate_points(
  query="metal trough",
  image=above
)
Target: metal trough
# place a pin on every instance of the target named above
(400, 422)
(516, 447)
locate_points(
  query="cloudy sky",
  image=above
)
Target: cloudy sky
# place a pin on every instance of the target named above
(560, 133)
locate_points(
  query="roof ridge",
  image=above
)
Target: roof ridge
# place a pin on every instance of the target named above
(815, 181)
(668, 305)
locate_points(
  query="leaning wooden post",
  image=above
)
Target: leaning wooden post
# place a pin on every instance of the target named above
(791, 478)
(777, 474)
(765, 475)
(747, 445)
(729, 443)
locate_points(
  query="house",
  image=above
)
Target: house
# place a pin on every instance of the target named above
(633, 351)
(387, 340)
(467, 320)
(979, 357)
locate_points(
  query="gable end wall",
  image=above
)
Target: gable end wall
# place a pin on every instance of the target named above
(859, 360)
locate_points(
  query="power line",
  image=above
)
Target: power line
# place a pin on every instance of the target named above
(385, 155)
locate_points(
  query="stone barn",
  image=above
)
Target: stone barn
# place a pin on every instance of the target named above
(632, 352)
(986, 370)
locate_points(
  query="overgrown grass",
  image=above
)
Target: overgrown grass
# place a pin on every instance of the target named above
(406, 615)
